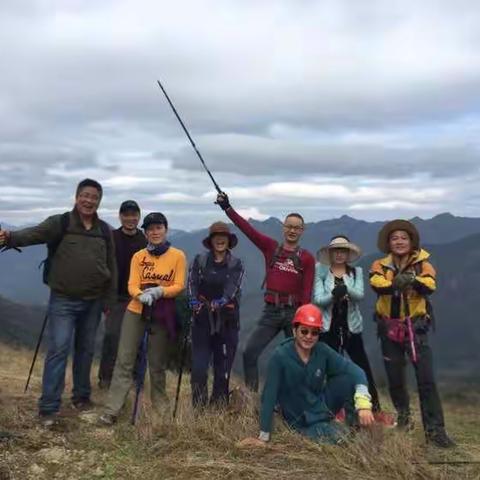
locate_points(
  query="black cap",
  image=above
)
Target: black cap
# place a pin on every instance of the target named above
(154, 217)
(129, 205)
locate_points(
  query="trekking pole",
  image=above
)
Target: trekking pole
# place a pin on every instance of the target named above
(182, 362)
(141, 362)
(411, 335)
(217, 188)
(39, 341)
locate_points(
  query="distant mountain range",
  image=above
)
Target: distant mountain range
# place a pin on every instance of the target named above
(453, 241)
(20, 278)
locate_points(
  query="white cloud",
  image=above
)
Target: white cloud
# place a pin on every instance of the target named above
(321, 106)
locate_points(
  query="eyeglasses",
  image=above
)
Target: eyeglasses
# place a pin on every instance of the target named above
(295, 228)
(312, 332)
(87, 196)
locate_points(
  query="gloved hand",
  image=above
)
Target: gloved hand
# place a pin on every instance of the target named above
(339, 292)
(403, 280)
(146, 298)
(155, 292)
(195, 305)
(218, 303)
(222, 201)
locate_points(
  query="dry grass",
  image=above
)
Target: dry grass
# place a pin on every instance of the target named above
(203, 446)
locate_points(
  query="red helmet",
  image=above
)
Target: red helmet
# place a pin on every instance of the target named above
(308, 315)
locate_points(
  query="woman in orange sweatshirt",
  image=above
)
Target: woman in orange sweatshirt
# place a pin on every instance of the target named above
(157, 276)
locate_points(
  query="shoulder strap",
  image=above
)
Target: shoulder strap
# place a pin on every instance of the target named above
(202, 261)
(64, 224)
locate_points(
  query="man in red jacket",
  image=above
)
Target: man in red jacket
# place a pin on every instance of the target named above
(288, 283)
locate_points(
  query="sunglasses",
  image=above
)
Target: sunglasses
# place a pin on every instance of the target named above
(312, 332)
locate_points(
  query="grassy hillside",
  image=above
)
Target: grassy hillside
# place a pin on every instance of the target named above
(204, 447)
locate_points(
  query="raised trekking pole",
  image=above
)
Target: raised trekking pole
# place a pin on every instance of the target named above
(217, 188)
(186, 336)
(39, 341)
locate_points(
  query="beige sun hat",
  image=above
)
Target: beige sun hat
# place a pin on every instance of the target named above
(339, 241)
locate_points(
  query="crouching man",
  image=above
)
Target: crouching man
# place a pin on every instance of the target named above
(311, 383)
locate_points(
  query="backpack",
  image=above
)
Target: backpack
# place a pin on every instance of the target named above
(294, 256)
(53, 246)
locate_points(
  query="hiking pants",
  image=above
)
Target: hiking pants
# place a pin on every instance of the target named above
(274, 319)
(220, 347)
(353, 345)
(113, 327)
(68, 319)
(338, 394)
(394, 356)
(133, 329)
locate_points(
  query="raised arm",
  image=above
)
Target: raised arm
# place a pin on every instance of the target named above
(261, 241)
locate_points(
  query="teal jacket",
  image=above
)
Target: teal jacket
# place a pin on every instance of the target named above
(322, 296)
(299, 388)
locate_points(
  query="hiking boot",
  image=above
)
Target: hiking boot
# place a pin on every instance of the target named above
(48, 420)
(440, 439)
(83, 405)
(107, 420)
(405, 422)
(385, 419)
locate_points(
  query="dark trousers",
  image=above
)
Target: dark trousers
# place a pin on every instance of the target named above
(394, 355)
(274, 319)
(113, 327)
(68, 319)
(352, 343)
(221, 347)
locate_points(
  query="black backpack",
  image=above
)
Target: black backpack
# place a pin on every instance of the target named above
(53, 246)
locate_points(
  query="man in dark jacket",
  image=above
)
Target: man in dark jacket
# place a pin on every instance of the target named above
(128, 240)
(82, 279)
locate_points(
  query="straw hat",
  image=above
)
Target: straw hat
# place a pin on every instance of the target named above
(394, 225)
(340, 241)
(220, 228)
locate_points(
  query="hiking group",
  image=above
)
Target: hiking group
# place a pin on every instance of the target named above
(134, 278)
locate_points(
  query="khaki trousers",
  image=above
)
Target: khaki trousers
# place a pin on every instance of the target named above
(133, 328)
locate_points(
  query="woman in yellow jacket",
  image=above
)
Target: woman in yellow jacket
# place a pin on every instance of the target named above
(403, 281)
(157, 276)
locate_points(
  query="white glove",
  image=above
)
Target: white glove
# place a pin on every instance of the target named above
(155, 292)
(146, 298)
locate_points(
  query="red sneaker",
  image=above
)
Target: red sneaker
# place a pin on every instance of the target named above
(340, 416)
(385, 419)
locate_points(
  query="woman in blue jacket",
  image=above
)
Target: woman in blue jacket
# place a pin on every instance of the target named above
(337, 290)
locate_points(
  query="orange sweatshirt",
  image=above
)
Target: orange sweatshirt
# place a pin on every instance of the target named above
(167, 270)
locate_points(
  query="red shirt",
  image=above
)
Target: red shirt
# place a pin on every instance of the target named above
(282, 276)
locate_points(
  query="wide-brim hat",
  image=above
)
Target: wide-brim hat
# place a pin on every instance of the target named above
(354, 251)
(220, 228)
(388, 228)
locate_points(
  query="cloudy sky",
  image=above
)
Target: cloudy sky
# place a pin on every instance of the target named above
(370, 109)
